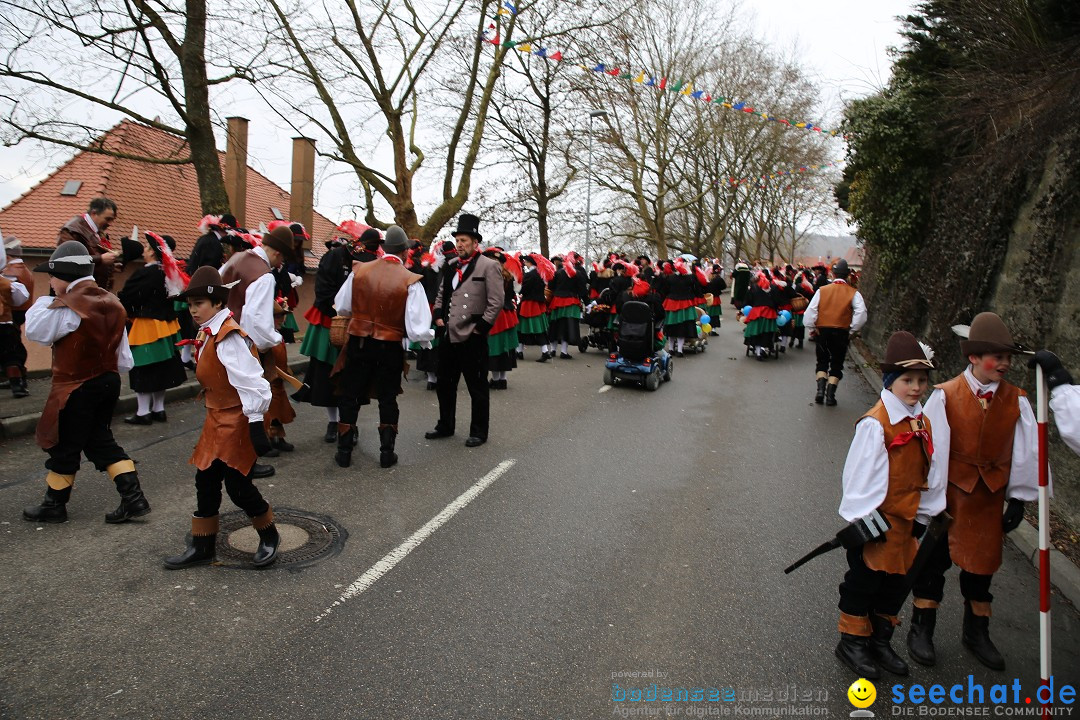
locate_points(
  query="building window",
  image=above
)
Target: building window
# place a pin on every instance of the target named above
(277, 214)
(71, 187)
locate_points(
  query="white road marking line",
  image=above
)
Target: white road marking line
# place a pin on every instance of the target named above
(604, 389)
(392, 558)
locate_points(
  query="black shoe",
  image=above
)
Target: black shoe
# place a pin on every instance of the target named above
(272, 452)
(520, 355)
(920, 637)
(279, 443)
(133, 503)
(830, 394)
(138, 420)
(269, 539)
(679, 354)
(501, 385)
(432, 386)
(331, 432)
(544, 357)
(782, 348)
(262, 471)
(881, 647)
(18, 388)
(387, 438)
(200, 551)
(854, 651)
(436, 434)
(566, 356)
(492, 384)
(473, 441)
(345, 444)
(976, 638)
(800, 344)
(53, 509)
(159, 416)
(819, 396)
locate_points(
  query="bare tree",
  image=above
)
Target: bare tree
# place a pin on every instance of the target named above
(140, 59)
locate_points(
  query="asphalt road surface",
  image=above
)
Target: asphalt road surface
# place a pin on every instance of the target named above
(599, 533)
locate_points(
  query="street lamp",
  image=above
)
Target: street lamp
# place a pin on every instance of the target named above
(588, 191)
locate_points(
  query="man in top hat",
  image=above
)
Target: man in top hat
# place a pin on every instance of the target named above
(85, 325)
(468, 302)
(208, 250)
(985, 429)
(89, 230)
(251, 300)
(16, 287)
(386, 303)
(836, 311)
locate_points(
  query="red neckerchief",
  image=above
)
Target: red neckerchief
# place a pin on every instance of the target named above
(103, 240)
(393, 258)
(464, 264)
(838, 280)
(201, 336)
(918, 431)
(987, 396)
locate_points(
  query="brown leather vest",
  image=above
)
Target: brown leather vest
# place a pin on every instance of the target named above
(247, 267)
(90, 350)
(211, 373)
(5, 300)
(22, 274)
(379, 294)
(981, 441)
(834, 306)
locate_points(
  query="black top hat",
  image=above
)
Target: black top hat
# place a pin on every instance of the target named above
(227, 220)
(468, 225)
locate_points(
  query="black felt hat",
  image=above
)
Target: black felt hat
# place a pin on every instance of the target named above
(469, 225)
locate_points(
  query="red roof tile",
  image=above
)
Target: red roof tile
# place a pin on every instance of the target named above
(162, 198)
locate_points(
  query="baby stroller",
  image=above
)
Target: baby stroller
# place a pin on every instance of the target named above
(600, 336)
(637, 357)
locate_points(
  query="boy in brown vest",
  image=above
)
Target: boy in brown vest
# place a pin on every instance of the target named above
(236, 396)
(984, 428)
(836, 311)
(84, 324)
(387, 303)
(886, 470)
(14, 297)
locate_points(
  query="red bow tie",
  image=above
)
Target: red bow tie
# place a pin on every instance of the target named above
(987, 396)
(918, 430)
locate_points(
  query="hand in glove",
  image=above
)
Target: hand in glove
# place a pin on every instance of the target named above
(258, 437)
(1014, 513)
(1055, 372)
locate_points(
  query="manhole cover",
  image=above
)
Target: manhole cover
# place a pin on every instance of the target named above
(306, 538)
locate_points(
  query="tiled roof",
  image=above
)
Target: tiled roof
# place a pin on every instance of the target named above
(162, 198)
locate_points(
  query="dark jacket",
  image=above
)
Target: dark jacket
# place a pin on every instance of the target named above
(207, 251)
(144, 295)
(333, 269)
(79, 230)
(532, 287)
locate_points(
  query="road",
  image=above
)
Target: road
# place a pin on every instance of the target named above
(618, 532)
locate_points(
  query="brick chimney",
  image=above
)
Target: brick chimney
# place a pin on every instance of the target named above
(236, 167)
(302, 192)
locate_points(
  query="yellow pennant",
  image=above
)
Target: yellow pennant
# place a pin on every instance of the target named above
(640, 78)
(687, 90)
(525, 47)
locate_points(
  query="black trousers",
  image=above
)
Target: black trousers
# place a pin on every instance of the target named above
(241, 489)
(832, 344)
(466, 360)
(85, 427)
(930, 585)
(12, 352)
(865, 591)
(368, 362)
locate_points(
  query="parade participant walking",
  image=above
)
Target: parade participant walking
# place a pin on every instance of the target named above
(427, 359)
(984, 426)
(760, 332)
(154, 329)
(469, 300)
(84, 324)
(14, 297)
(503, 338)
(714, 303)
(387, 303)
(89, 230)
(236, 396)
(533, 326)
(680, 305)
(836, 311)
(804, 293)
(251, 300)
(565, 307)
(208, 248)
(887, 470)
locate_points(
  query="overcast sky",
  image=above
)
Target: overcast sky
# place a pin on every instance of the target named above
(842, 44)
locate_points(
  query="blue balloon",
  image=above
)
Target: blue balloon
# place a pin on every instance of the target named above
(704, 319)
(746, 310)
(783, 318)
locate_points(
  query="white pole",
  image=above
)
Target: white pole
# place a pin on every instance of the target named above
(1044, 532)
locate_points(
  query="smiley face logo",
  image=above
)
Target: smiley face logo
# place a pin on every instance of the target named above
(862, 693)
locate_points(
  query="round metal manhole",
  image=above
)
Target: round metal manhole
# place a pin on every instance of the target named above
(306, 538)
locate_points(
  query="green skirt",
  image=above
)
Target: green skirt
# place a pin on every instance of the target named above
(317, 345)
(570, 311)
(760, 327)
(504, 342)
(155, 352)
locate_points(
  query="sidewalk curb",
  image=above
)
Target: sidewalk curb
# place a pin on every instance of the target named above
(21, 425)
(1063, 574)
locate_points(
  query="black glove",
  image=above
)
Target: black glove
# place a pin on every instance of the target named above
(259, 440)
(1055, 372)
(1014, 513)
(917, 529)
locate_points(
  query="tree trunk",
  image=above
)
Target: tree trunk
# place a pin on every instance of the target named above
(196, 113)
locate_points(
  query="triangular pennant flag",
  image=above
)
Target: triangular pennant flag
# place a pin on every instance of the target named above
(557, 56)
(708, 98)
(687, 90)
(626, 75)
(510, 7)
(652, 82)
(676, 87)
(525, 48)
(541, 52)
(496, 41)
(503, 11)
(748, 109)
(697, 94)
(509, 43)
(599, 68)
(614, 72)
(663, 83)
(738, 106)
(640, 78)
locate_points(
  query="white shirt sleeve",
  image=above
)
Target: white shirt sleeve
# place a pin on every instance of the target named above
(257, 320)
(809, 318)
(1065, 403)
(343, 299)
(246, 375)
(866, 471)
(47, 325)
(932, 501)
(19, 294)
(1024, 473)
(418, 316)
(858, 308)
(124, 360)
